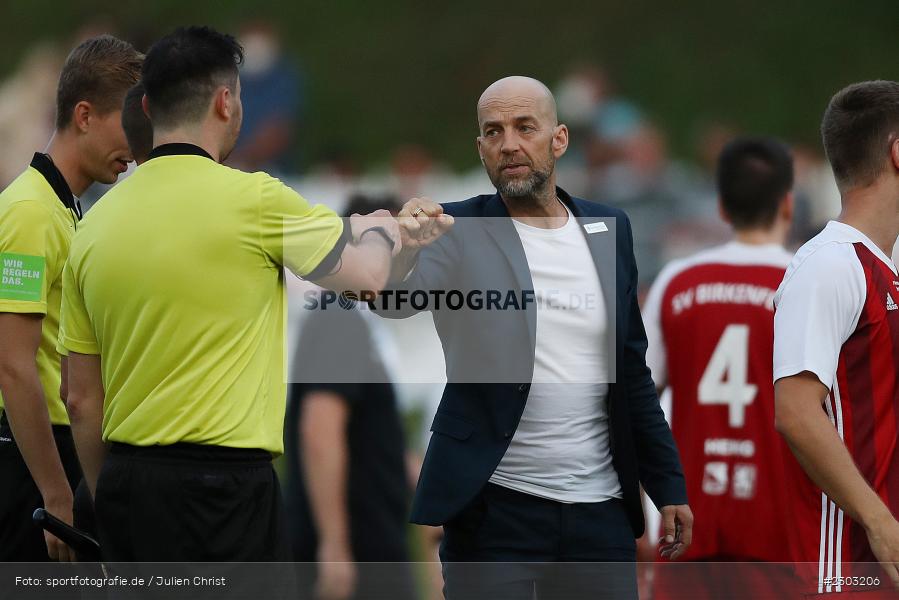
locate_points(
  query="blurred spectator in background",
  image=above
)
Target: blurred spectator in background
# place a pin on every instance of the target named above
(272, 93)
(699, 226)
(413, 170)
(708, 140)
(713, 136)
(338, 163)
(347, 485)
(620, 158)
(579, 96)
(657, 193)
(27, 107)
(817, 196)
(594, 114)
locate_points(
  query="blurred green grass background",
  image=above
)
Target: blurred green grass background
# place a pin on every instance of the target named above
(394, 71)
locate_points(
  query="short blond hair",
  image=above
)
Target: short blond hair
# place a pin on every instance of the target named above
(100, 70)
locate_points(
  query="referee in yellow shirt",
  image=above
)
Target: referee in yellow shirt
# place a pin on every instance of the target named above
(38, 215)
(174, 318)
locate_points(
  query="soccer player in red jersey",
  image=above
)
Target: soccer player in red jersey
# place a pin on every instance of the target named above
(710, 325)
(836, 360)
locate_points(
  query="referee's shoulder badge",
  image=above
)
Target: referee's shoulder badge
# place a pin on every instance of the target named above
(22, 276)
(597, 227)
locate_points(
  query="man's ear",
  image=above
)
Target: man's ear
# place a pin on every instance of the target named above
(81, 116)
(223, 103)
(478, 143)
(560, 140)
(145, 105)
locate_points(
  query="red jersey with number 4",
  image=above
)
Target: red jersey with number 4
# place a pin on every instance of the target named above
(838, 317)
(710, 323)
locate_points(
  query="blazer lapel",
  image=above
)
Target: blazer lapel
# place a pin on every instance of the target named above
(500, 227)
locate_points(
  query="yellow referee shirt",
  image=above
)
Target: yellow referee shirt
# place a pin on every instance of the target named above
(36, 230)
(175, 279)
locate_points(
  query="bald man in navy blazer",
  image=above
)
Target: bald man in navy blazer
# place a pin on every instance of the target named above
(550, 421)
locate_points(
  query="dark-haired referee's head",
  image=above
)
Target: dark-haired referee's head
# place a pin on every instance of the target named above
(755, 182)
(191, 82)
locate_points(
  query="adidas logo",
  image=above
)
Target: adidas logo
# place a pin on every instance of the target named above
(891, 305)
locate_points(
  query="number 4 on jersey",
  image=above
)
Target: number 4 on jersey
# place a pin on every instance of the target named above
(724, 379)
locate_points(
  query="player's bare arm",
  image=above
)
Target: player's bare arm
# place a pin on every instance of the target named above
(822, 454)
(20, 337)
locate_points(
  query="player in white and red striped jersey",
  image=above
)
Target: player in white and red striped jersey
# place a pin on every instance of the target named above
(710, 325)
(836, 361)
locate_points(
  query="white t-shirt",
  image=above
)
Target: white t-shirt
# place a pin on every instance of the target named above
(820, 301)
(560, 449)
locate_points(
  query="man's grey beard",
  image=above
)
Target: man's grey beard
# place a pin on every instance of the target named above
(523, 188)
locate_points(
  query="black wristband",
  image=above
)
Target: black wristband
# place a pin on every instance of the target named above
(382, 232)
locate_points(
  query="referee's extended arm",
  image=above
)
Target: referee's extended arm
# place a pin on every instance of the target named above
(365, 262)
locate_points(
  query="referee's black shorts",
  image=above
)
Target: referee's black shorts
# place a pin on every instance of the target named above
(190, 503)
(20, 539)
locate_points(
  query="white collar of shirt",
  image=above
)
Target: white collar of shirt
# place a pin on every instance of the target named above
(551, 232)
(851, 231)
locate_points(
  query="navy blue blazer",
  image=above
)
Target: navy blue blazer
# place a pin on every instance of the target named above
(477, 417)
